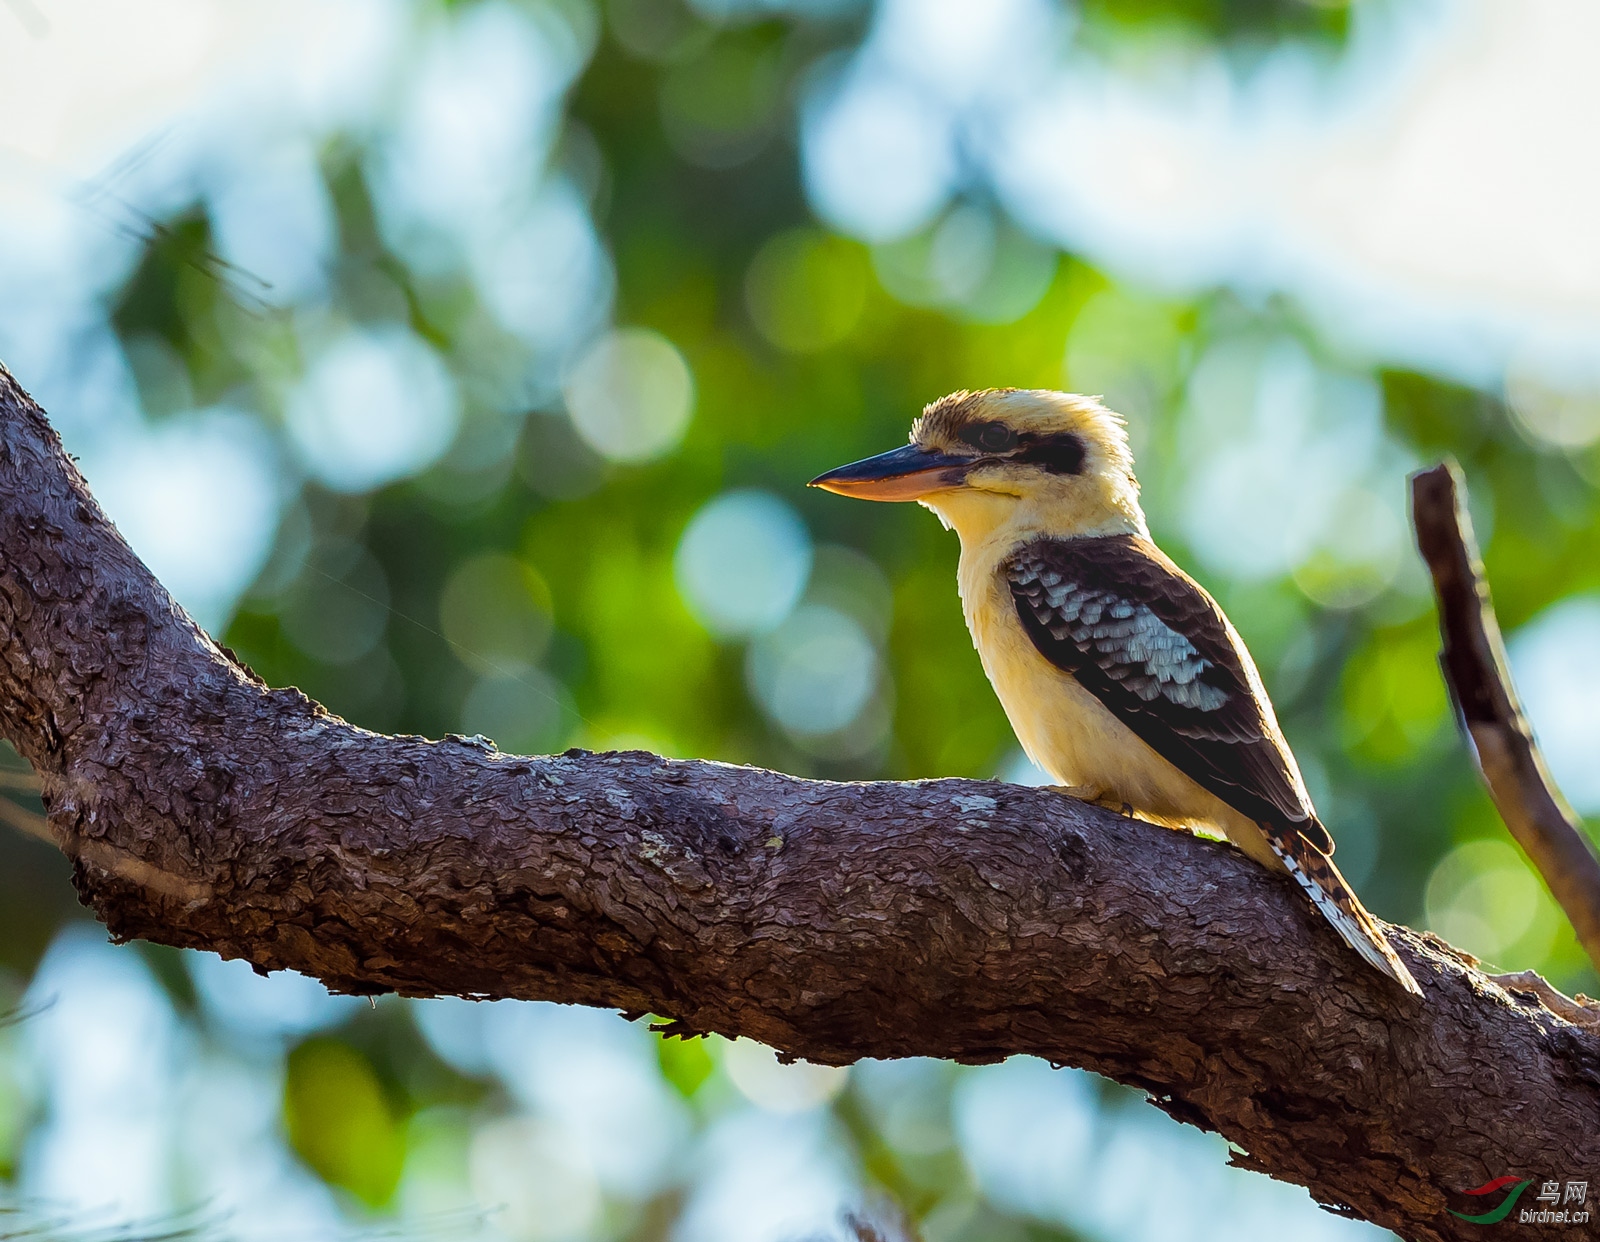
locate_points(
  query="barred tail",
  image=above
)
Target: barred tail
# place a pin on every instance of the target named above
(1314, 872)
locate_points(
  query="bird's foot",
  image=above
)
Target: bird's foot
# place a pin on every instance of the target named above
(1096, 796)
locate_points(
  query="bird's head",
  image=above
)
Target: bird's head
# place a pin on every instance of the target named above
(1026, 460)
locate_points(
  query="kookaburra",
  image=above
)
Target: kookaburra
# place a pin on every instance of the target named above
(1121, 676)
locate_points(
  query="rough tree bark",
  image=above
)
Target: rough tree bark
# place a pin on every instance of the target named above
(959, 919)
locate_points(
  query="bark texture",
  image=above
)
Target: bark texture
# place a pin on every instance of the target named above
(959, 919)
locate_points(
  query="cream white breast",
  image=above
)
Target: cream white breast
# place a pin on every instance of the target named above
(1062, 727)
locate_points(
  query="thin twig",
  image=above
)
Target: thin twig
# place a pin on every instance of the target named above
(1479, 677)
(21, 1014)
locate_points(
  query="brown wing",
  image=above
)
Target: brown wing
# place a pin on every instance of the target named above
(1147, 641)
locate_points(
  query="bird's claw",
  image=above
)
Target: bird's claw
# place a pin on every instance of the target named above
(1096, 796)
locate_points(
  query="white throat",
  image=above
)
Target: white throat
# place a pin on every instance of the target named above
(985, 519)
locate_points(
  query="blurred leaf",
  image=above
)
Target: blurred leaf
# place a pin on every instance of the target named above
(1395, 703)
(720, 107)
(685, 1063)
(1238, 20)
(341, 1123)
(806, 290)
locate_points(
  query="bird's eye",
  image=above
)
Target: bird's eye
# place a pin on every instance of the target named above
(990, 437)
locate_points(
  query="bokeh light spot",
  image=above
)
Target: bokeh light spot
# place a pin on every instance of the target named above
(529, 713)
(630, 395)
(594, 1080)
(1125, 347)
(1554, 414)
(495, 613)
(1287, 461)
(770, 1177)
(104, 1047)
(256, 1007)
(1025, 1130)
(806, 290)
(855, 584)
(338, 608)
(879, 155)
(961, 252)
(546, 1192)
(1482, 897)
(1018, 769)
(814, 673)
(908, 1100)
(743, 562)
(718, 109)
(198, 498)
(376, 406)
(547, 276)
(553, 461)
(272, 218)
(972, 263)
(768, 1083)
(1358, 554)
(481, 106)
(1555, 662)
(656, 32)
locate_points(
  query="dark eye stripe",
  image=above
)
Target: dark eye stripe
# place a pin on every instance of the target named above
(1059, 454)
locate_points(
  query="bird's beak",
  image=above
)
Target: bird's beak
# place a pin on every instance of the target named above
(908, 473)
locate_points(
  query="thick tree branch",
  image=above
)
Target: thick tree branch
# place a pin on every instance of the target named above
(958, 919)
(1479, 676)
